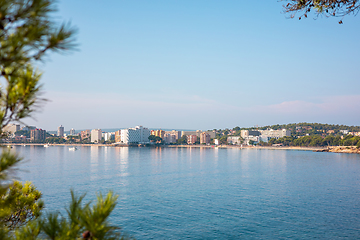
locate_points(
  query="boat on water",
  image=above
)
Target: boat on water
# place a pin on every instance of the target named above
(46, 145)
(73, 148)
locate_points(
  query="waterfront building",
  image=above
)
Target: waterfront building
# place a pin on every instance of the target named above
(191, 139)
(96, 135)
(216, 141)
(118, 136)
(205, 138)
(21, 138)
(60, 131)
(198, 132)
(175, 133)
(139, 134)
(72, 132)
(108, 136)
(85, 134)
(11, 128)
(37, 135)
(263, 135)
(158, 133)
(266, 135)
(246, 133)
(234, 140)
(170, 138)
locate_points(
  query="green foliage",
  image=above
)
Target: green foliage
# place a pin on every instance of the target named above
(182, 140)
(26, 35)
(156, 139)
(24, 204)
(223, 139)
(337, 8)
(23, 132)
(56, 140)
(82, 220)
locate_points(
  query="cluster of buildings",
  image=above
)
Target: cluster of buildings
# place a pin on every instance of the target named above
(140, 135)
(257, 136)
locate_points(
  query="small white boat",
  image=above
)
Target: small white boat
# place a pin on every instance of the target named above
(72, 148)
(46, 145)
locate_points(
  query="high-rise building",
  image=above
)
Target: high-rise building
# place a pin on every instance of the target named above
(37, 135)
(173, 133)
(96, 135)
(11, 128)
(158, 133)
(108, 136)
(60, 132)
(191, 139)
(197, 133)
(205, 138)
(139, 134)
(85, 134)
(72, 132)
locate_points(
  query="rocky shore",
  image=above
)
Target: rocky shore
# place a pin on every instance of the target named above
(341, 149)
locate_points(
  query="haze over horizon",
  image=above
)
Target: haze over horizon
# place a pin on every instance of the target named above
(200, 65)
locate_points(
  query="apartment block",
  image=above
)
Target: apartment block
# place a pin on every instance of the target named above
(234, 140)
(197, 133)
(191, 139)
(60, 131)
(72, 132)
(205, 138)
(85, 134)
(37, 135)
(158, 133)
(139, 134)
(11, 128)
(96, 135)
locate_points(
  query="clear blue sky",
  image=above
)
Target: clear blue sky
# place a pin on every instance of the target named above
(200, 65)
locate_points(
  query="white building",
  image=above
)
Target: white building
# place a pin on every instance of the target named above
(60, 132)
(266, 135)
(345, 132)
(72, 132)
(234, 140)
(108, 136)
(11, 128)
(138, 134)
(96, 135)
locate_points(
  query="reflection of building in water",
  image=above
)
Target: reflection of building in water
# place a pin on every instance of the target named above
(94, 154)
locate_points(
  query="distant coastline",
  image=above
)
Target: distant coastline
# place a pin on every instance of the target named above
(334, 149)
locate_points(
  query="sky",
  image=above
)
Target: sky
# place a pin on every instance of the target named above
(204, 64)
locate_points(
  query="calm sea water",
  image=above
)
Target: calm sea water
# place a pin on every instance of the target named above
(199, 193)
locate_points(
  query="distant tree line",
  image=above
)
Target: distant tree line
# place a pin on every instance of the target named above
(315, 141)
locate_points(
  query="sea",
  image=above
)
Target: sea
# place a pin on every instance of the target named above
(206, 193)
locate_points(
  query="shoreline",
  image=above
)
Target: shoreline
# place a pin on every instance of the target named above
(333, 149)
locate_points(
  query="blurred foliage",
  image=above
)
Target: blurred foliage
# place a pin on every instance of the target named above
(335, 8)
